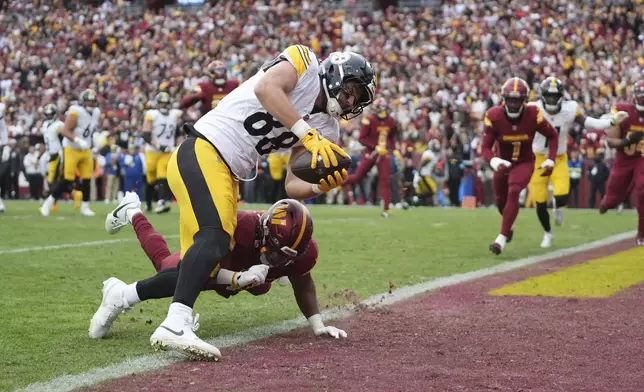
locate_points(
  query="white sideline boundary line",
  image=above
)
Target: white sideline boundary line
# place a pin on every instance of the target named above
(72, 245)
(145, 363)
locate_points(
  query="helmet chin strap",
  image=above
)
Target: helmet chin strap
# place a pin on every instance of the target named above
(552, 108)
(332, 105)
(220, 82)
(513, 115)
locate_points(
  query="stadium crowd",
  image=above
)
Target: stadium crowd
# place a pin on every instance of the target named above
(438, 69)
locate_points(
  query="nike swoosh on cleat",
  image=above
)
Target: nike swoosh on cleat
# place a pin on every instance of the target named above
(120, 208)
(174, 332)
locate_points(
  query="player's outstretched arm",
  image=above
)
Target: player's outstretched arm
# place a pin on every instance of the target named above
(307, 300)
(272, 90)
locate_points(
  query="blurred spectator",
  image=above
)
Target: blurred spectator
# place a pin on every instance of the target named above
(598, 175)
(575, 166)
(31, 163)
(131, 164)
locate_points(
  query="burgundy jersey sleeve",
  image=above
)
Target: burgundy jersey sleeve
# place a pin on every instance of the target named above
(489, 136)
(231, 85)
(366, 137)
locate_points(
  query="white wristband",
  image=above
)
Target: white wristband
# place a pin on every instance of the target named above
(300, 128)
(316, 189)
(316, 322)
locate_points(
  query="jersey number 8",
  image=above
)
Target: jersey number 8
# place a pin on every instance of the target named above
(266, 145)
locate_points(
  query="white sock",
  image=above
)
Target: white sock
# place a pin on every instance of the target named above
(85, 205)
(501, 240)
(131, 295)
(129, 214)
(50, 200)
(180, 310)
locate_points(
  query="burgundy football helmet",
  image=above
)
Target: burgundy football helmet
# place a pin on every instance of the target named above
(285, 232)
(515, 92)
(638, 95)
(381, 108)
(216, 71)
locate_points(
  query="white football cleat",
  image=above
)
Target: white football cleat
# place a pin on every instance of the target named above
(559, 219)
(118, 218)
(1, 206)
(547, 240)
(177, 333)
(85, 211)
(46, 207)
(111, 307)
(162, 207)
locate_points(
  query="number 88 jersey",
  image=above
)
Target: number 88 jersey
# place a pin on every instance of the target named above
(164, 127)
(242, 130)
(85, 126)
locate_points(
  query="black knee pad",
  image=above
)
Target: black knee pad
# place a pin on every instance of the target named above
(215, 241)
(561, 200)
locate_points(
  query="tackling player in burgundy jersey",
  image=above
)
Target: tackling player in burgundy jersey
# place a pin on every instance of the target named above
(378, 134)
(211, 91)
(510, 129)
(268, 245)
(628, 167)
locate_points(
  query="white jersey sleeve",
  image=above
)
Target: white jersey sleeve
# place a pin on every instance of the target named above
(51, 135)
(562, 122)
(242, 130)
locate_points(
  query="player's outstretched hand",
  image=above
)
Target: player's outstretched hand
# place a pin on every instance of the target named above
(330, 331)
(322, 147)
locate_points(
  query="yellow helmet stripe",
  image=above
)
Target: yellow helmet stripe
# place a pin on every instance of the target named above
(299, 236)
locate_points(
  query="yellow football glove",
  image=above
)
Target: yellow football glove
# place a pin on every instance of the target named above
(333, 181)
(381, 150)
(319, 146)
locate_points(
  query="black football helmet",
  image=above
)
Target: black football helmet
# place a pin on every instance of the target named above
(348, 83)
(163, 102)
(552, 94)
(50, 111)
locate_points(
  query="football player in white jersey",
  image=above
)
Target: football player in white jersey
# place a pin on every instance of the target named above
(561, 115)
(51, 131)
(4, 149)
(270, 112)
(80, 124)
(159, 132)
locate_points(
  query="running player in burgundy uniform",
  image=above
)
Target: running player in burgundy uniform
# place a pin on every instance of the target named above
(628, 167)
(211, 91)
(378, 134)
(269, 245)
(510, 129)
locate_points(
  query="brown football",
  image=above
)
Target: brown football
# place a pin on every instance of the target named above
(301, 167)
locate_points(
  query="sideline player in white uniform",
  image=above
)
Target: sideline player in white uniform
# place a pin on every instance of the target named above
(80, 124)
(268, 113)
(51, 131)
(159, 132)
(561, 115)
(4, 155)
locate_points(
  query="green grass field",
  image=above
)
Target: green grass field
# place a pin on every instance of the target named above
(47, 297)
